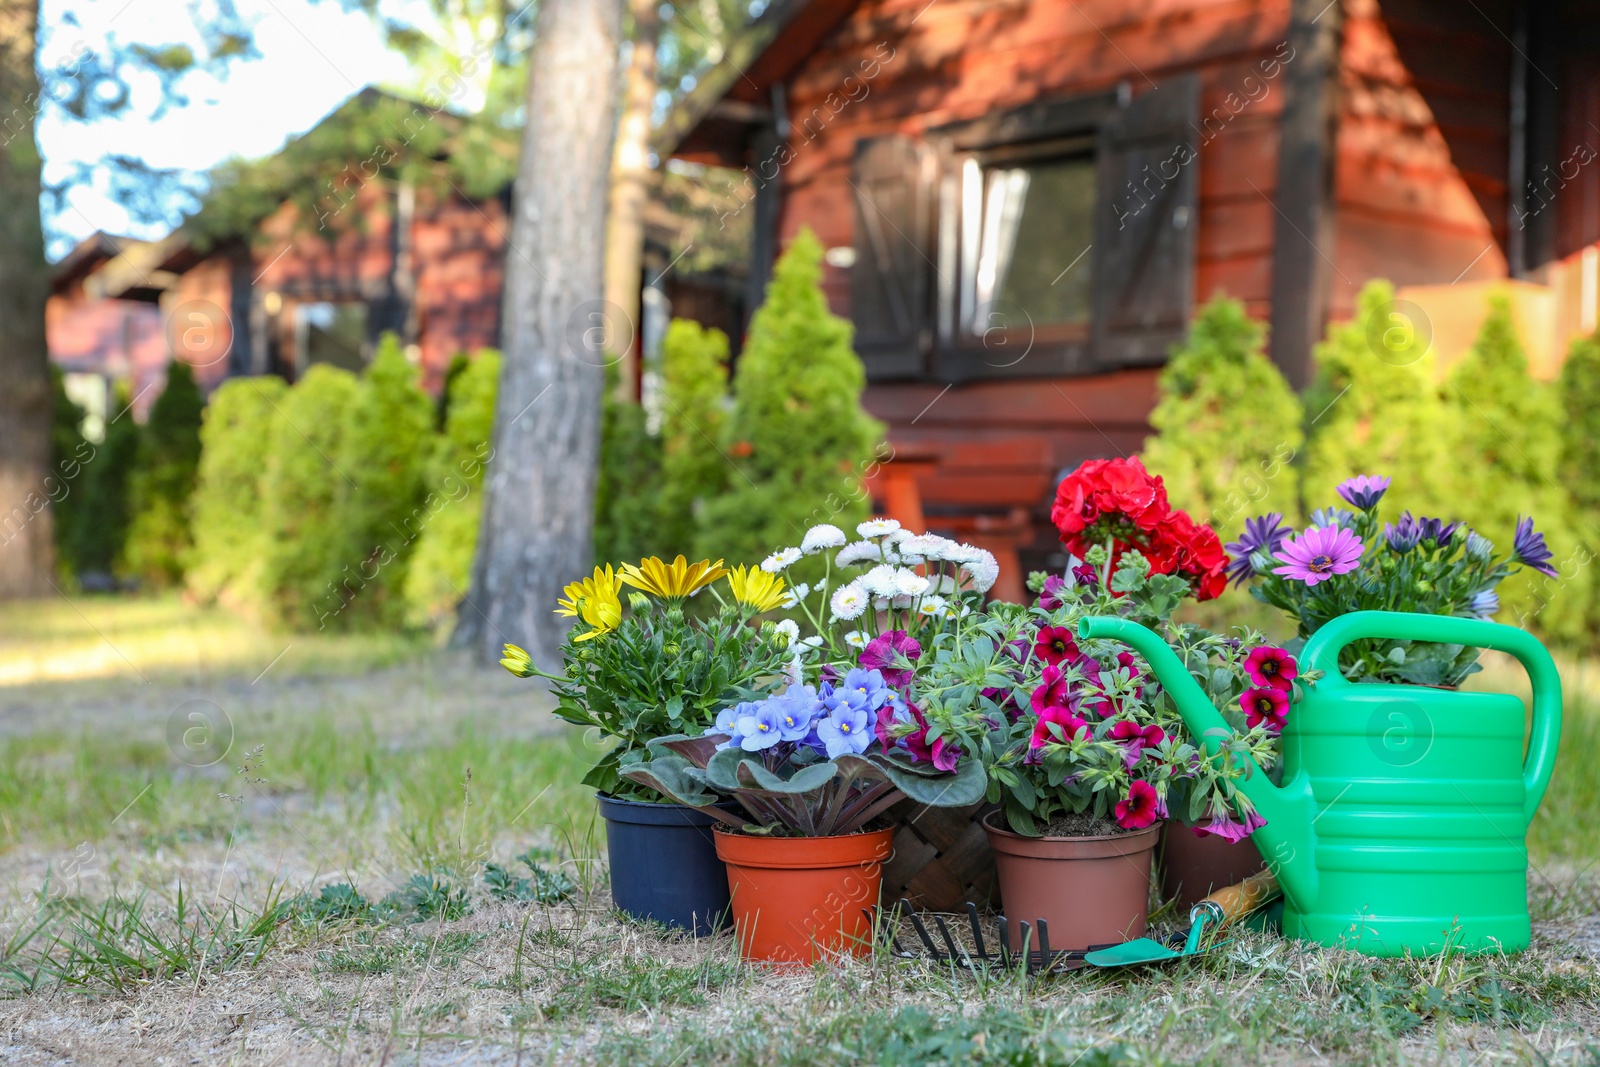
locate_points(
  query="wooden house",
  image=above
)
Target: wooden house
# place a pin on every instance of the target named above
(1023, 200)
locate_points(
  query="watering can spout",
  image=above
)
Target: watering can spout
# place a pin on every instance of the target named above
(1287, 840)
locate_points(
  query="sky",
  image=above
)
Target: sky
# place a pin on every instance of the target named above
(313, 56)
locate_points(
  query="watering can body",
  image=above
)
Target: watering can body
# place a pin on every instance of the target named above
(1401, 824)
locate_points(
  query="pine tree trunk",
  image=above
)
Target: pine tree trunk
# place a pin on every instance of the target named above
(26, 552)
(630, 188)
(539, 503)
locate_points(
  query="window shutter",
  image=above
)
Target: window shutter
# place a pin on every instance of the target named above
(893, 179)
(1147, 158)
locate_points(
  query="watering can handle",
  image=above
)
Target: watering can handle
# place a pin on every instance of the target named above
(1323, 647)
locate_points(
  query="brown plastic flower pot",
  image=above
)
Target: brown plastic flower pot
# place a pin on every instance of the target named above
(800, 899)
(1091, 890)
(1193, 866)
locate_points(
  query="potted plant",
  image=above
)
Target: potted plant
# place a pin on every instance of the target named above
(653, 670)
(1342, 561)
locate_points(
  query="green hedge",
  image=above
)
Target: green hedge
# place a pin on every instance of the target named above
(694, 408)
(163, 479)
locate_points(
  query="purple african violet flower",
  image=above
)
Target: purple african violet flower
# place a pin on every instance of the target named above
(728, 723)
(847, 728)
(1265, 533)
(762, 727)
(1527, 546)
(886, 651)
(1484, 603)
(1319, 553)
(867, 687)
(1364, 490)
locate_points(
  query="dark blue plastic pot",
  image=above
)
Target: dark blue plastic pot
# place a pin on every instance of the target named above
(664, 864)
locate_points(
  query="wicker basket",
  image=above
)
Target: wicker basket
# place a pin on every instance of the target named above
(941, 857)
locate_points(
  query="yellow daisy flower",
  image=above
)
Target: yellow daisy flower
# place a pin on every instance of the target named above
(671, 581)
(517, 661)
(755, 588)
(596, 600)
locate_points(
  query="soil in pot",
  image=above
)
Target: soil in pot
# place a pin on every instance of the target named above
(800, 899)
(664, 864)
(1193, 866)
(1092, 890)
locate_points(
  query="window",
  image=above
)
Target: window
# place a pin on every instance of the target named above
(1049, 240)
(331, 333)
(89, 392)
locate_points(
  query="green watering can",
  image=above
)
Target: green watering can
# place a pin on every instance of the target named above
(1401, 824)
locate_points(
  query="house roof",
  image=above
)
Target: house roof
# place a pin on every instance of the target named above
(710, 124)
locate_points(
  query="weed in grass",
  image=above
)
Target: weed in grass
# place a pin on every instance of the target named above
(445, 951)
(335, 903)
(631, 984)
(425, 898)
(545, 886)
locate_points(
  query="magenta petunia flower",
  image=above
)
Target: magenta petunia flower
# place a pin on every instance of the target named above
(1319, 553)
(1270, 667)
(895, 654)
(1267, 705)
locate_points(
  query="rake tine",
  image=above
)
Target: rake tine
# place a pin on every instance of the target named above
(949, 942)
(977, 930)
(1025, 936)
(1005, 943)
(1044, 945)
(922, 932)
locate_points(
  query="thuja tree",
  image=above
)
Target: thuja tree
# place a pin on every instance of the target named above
(300, 493)
(227, 509)
(694, 393)
(386, 442)
(69, 451)
(99, 533)
(628, 480)
(1375, 408)
(1506, 445)
(1579, 388)
(164, 478)
(1228, 426)
(442, 564)
(797, 438)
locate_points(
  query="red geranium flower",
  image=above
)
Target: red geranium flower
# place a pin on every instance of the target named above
(1271, 668)
(1055, 644)
(1140, 808)
(1270, 706)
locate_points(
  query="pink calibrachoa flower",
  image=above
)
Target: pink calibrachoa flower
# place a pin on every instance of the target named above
(1055, 645)
(1319, 553)
(1051, 690)
(1268, 705)
(888, 649)
(1141, 807)
(1135, 739)
(1271, 668)
(1072, 728)
(1225, 826)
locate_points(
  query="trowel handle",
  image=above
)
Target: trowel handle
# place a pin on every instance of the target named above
(1236, 901)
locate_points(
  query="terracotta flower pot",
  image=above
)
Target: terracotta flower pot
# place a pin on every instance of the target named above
(1091, 890)
(797, 899)
(1193, 866)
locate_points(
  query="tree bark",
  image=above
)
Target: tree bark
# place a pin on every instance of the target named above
(27, 554)
(630, 188)
(539, 504)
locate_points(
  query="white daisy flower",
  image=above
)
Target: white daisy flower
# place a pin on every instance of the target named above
(794, 671)
(849, 601)
(812, 642)
(929, 547)
(933, 605)
(780, 560)
(880, 580)
(963, 553)
(856, 639)
(909, 583)
(789, 630)
(877, 527)
(859, 552)
(945, 584)
(983, 571)
(822, 537)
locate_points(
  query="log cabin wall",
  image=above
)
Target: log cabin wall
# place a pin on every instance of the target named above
(460, 250)
(991, 447)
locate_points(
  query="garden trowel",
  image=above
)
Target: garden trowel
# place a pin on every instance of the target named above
(1213, 913)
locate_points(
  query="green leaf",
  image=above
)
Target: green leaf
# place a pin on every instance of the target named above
(753, 775)
(671, 777)
(965, 786)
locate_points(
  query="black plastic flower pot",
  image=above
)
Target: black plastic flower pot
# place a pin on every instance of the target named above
(664, 864)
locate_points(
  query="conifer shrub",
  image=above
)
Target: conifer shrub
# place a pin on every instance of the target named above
(99, 531)
(227, 511)
(386, 441)
(69, 452)
(797, 438)
(1506, 447)
(626, 507)
(303, 543)
(694, 405)
(441, 567)
(1375, 408)
(163, 480)
(1579, 389)
(1228, 426)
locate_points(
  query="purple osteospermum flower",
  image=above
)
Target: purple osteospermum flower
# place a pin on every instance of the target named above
(1437, 530)
(1320, 553)
(761, 728)
(1527, 546)
(1333, 517)
(1364, 490)
(1403, 535)
(846, 729)
(1484, 603)
(1264, 533)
